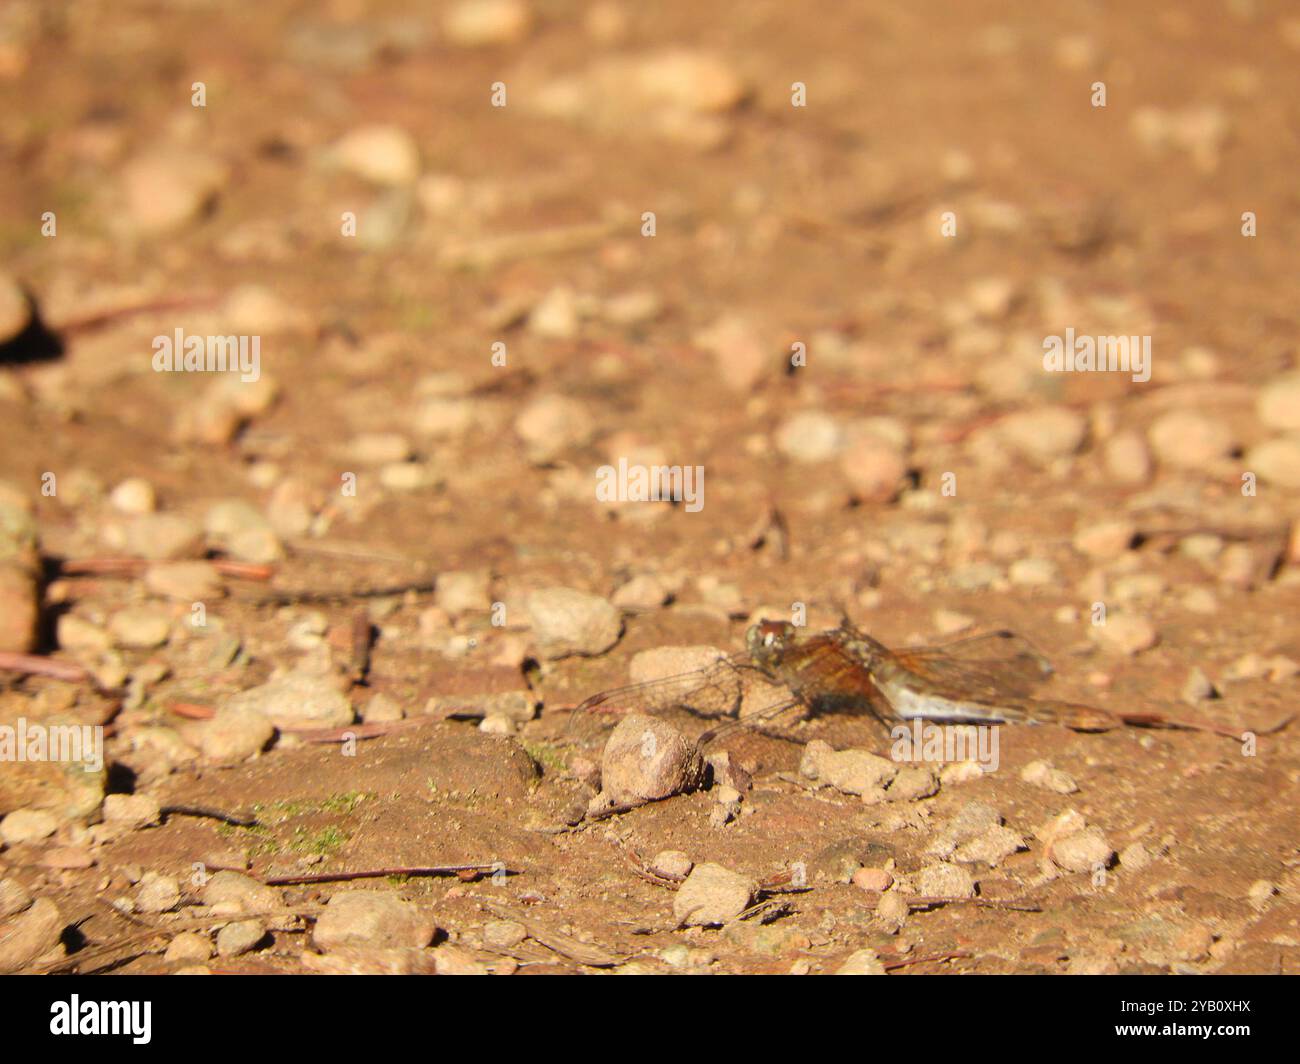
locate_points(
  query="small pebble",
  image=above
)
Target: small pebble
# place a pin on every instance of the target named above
(238, 938)
(567, 621)
(373, 918)
(139, 628)
(851, 771)
(1126, 634)
(131, 810)
(158, 893)
(28, 825)
(645, 760)
(133, 496)
(861, 962)
(872, 879)
(1042, 774)
(1184, 439)
(711, 896)
(483, 23)
(671, 863)
(380, 154)
(296, 699)
(945, 880)
(189, 947)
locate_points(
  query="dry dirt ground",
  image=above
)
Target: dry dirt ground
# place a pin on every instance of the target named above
(920, 470)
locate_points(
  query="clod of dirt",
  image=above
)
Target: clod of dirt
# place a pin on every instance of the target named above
(30, 935)
(913, 782)
(372, 918)
(645, 760)
(156, 537)
(63, 788)
(517, 706)
(892, 910)
(567, 621)
(711, 896)
(970, 822)
(1042, 774)
(1071, 845)
(449, 959)
(851, 771)
(992, 847)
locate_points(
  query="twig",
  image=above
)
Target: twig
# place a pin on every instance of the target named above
(136, 566)
(379, 873)
(35, 665)
(925, 901)
(565, 945)
(207, 812)
(293, 596)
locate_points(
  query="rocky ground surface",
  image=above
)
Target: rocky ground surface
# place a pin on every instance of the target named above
(349, 605)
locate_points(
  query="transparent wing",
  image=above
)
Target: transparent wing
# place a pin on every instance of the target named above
(998, 666)
(714, 690)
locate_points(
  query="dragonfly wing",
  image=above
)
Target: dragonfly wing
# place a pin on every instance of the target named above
(715, 689)
(998, 665)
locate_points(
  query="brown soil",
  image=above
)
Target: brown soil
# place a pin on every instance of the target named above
(801, 222)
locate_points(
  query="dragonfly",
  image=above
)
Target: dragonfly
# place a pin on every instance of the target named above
(987, 679)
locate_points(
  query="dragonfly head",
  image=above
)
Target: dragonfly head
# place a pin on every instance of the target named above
(767, 640)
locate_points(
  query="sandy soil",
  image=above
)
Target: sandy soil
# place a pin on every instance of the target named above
(919, 471)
